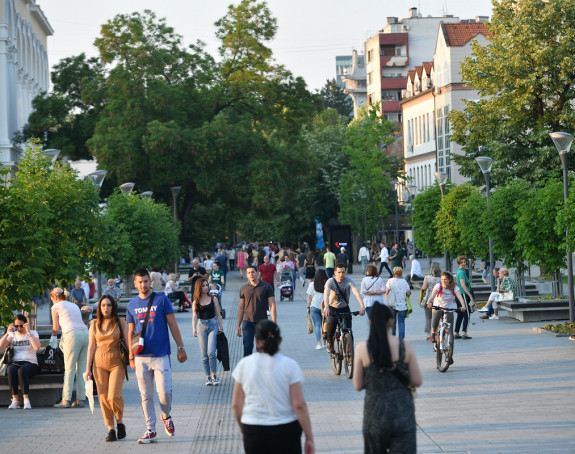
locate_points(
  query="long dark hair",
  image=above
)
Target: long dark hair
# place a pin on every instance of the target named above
(319, 280)
(113, 315)
(377, 342)
(198, 293)
(268, 333)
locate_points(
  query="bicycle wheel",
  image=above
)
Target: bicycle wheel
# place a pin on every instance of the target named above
(348, 354)
(336, 357)
(444, 351)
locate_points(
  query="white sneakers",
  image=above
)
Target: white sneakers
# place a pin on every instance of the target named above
(27, 405)
(483, 309)
(494, 317)
(14, 405)
(318, 347)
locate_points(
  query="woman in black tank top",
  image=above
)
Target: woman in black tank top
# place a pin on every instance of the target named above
(207, 322)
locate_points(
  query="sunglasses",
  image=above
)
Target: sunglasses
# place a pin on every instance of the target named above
(18, 326)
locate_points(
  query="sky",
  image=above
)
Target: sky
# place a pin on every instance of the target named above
(310, 32)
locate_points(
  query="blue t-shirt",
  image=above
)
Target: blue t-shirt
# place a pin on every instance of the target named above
(157, 338)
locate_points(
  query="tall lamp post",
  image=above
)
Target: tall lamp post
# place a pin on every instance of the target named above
(441, 178)
(97, 178)
(485, 163)
(175, 192)
(393, 184)
(563, 141)
(364, 197)
(412, 189)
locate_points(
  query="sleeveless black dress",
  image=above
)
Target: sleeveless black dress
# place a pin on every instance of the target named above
(388, 412)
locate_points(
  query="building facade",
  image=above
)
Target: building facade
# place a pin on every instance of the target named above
(432, 91)
(355, 83)
(399, 47)
(24, 69)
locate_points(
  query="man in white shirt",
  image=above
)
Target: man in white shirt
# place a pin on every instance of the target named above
(415, 274)
(362, 257)
(384, 258)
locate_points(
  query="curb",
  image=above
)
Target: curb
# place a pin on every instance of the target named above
(549, 333)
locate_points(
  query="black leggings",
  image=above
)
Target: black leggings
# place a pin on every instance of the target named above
(19, 373)
(284, 438)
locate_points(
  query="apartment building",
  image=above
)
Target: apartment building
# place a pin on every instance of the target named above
(355, 82)
(432, 91)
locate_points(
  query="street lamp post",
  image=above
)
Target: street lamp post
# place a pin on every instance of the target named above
(97, 178)
(563, 141)
(146, 195)
(485, 163)
(412, 189)
(175, 192)
(364, 197)
(127, 188)
(394, 184)
(441, 178)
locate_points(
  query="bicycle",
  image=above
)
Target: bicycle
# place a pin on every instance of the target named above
(343, 347)
(444, 344)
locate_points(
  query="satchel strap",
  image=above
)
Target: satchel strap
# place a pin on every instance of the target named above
(341, 292)
(152, 296)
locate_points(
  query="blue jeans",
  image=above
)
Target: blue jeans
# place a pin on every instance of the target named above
(400, 322)
(329, 272)
(248, 333)
(207, 337)
(315, 314)
(363, 264)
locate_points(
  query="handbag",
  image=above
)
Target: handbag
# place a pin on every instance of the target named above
(309, 324)
(472, 306)
(6, 360)
(50, 360)
(138, 338)
(409, 307)
(422, 298)
(390, 298)
(124, 352)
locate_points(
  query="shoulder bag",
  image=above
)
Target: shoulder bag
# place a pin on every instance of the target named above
(6, 360)
(390, 299)
(124, 352)
(341, 292)
(138, 338)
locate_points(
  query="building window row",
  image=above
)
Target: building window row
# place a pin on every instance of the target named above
(422, 176)
(443, 141)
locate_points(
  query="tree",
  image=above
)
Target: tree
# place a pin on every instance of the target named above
(526, 79)
(334, 98)
(146, 230)
(49, 229)
(425, 208)
(370, 169)
(535, 227)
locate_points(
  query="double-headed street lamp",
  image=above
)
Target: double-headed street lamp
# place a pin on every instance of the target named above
(364, 197)
(441, 178)
(563, 141)
(97, 178)
(485, 163)
(412, 190)
(175, 192)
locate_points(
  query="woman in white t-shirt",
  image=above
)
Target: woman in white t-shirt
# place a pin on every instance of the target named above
(24, 365)
(372, 288)
(268, 400)
(314, 304)
(400, 289)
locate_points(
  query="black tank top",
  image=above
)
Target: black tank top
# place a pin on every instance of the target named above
(208, 311)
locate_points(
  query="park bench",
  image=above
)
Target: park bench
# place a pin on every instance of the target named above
(535, 310)
(45, 390)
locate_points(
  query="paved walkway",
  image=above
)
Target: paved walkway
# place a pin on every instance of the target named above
(510, 390)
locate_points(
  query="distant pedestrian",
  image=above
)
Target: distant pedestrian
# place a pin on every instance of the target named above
(268, 400)
(363, 257)
(343, 258)
(329, 261)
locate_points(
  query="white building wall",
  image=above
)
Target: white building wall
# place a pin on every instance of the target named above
(24, 71)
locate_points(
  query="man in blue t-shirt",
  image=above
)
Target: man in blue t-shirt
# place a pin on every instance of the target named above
(153, 362)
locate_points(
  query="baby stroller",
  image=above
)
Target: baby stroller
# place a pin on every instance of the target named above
(216, 290)
(286, 285)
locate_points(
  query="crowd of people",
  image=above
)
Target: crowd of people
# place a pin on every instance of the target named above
(268, 401)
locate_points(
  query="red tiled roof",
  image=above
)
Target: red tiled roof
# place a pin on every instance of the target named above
(460, 34)
(410, 74)
(428, 66)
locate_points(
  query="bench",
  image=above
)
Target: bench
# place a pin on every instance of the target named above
(45, 390)
(535, 310)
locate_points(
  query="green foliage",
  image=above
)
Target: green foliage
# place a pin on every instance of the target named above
(504, 211)
(566, 222)
(526, 82)
(425, 208)
(452, 224)
(48, 231)
(370, 169)
(535, 228)
(145, 233)
(471, 217)
(334, 98)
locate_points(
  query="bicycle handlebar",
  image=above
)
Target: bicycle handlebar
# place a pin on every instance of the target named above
(439, 308)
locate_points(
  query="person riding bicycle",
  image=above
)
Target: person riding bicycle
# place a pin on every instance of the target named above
(442, 296)
(336, 302)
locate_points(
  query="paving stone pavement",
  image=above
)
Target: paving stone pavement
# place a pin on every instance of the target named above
(511, 390)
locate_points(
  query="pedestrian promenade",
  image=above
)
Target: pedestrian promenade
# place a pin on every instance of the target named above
(511, 390)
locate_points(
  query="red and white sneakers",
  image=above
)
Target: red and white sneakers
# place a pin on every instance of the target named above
(169, 426)
(148, 437)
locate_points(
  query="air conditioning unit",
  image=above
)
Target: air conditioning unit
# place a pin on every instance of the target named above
(405, 27)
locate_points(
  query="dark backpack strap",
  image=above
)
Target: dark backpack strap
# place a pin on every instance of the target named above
(401, 350)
